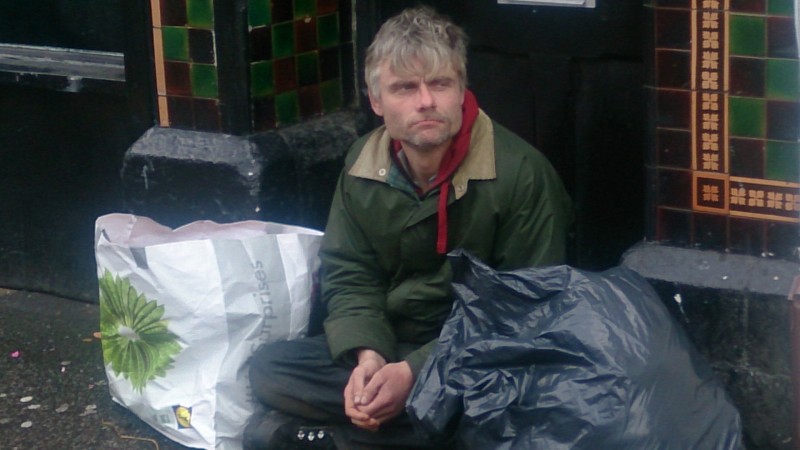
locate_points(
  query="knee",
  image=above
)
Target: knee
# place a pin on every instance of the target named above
(266, 370)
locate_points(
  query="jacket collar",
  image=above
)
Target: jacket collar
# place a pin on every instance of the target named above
(374, 161)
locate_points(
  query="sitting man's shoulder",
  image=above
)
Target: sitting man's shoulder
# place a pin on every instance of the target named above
(514, 152)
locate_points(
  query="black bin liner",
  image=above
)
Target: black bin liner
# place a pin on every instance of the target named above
(559, 358)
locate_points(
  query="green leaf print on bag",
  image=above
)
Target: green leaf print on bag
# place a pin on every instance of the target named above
(136, 341)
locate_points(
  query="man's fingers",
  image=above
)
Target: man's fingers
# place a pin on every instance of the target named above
(350, 405)
(386, 414)
(358, 378)
(348, 397)
(369, 424)
(387, 392)
(369, 391)
(381, 407)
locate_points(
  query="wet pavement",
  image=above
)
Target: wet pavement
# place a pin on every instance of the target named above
(53, 389)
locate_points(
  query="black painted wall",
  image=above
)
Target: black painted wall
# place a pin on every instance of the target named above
(83, 24)
(60, 157)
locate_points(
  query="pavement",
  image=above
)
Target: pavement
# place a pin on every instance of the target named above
(53, 388)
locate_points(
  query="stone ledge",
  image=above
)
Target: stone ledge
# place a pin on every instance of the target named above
(710, 269)
(287, 175)
(735, 310)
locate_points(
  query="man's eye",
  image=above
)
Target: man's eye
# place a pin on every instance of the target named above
(403, 88)
(440, 85)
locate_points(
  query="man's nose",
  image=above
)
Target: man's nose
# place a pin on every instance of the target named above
(426, 99)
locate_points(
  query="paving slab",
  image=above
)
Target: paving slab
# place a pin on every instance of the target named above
(53, 388)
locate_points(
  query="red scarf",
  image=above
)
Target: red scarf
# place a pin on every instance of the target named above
(452, 158)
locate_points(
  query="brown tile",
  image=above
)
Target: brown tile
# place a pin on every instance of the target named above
(783, 120)
(158, 62)
(327, 6)
(201, 46)
(155, 12)
(206, 115)
(173, 13)
(673, 108)
(673, 3)
(180, 112)
(163, 111)
(748, 6)
(747, 157)
(264, 114)
(305, 35)
(310, 101)
(282, 11)
(674, 188)
(177, 78)
(673, 29)
(781, 39)
(673, 226)
(746, 236)
(673, 69)
(782, 240)
(674, 148)
(285, 75)
(260, 44)
(747, 76)
(710, 231)
(329, 64)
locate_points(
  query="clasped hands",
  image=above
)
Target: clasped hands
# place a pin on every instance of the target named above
(377, 390)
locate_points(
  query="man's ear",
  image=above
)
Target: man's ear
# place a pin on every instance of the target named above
(375, 104)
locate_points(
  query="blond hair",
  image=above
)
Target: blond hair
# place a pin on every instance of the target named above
(417, 36)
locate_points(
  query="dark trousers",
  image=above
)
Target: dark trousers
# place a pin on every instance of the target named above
(300, 378)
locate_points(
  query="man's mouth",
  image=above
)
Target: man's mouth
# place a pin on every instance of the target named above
(431, 121)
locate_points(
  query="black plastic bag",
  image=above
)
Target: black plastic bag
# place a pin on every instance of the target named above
(559, 358)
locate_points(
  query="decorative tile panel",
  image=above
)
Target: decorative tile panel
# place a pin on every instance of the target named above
(293, 52)
(185, 61)
(295, 60)
(726, 116)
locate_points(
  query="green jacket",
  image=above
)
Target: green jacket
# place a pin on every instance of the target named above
(383, 282)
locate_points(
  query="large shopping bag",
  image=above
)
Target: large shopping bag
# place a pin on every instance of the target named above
(182, 310)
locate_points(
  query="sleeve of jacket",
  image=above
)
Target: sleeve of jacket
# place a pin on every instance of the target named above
(353, 285)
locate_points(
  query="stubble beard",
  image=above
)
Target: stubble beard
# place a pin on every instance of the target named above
(423, 141)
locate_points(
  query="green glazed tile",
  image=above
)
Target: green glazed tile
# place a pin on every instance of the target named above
(287, 107)
(783, 161)
(282, 40)
(200, 13)
(262, 83)
(308, 69)
(303, 8)
(176, 43)
(747, 117)
(258, 13)
(331, 92)
(328, 30)
(781, 7)
(782, 79)
(747, 35)
(204, 80)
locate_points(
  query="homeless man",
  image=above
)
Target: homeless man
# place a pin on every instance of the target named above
(439, 175)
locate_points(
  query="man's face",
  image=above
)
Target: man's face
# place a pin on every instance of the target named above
(421, 111)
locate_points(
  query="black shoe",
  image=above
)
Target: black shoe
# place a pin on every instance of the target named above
(277, 431)
(314, 437)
